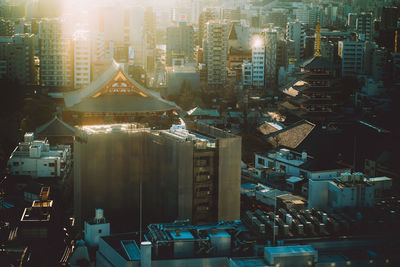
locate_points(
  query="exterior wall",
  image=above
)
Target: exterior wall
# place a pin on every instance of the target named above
(82, 59)
(93, 232)
(247, 73)
(35, 167)
(56, 54)
(258, 63)
(318, 194)
(216, 45)
(296, 171)
(230, 153)
(271, 39)
(295, 31)
(354, 197)
(352, 56)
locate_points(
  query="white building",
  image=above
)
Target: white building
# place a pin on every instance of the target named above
(296, 31)
(56, 54)
(96, 228)
(298, 164)
(349, 190)
(258, 63)
(35, 158)
(82, 59)
(352, 56)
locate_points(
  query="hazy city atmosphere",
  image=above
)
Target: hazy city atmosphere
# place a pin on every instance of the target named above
(199, 133)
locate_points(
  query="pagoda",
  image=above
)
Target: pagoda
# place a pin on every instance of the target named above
(313, 95)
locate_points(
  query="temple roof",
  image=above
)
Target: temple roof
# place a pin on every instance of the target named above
(317, 63)
(115, 91)
(55, 127)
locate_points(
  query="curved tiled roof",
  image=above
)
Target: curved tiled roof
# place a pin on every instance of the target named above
(90, 99)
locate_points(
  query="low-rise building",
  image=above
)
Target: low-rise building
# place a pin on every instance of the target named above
(35, 158)
(299, 164)
(348, 191)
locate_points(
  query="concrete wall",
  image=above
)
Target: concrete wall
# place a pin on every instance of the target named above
(109, 167)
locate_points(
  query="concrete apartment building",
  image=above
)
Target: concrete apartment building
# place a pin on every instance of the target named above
(364, 26)
(186, 174)
(352, 56)
(180, 42)
(215, 52)
(35, 158)
(56, 54)
(82, 59)
(271, 40)
(296, 31)
(17, 58)
(258, 63)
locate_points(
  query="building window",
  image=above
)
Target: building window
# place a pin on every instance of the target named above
(261, 161)
(51, 164)
(100, 231)
(15, 163)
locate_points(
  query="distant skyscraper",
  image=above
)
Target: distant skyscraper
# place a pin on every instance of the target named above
(352, 57)
(180, 41)
(258, 62)
(149, 38)
(364, 26)
(271, 39)
(82, 59)
(21, 58)
(56, 54)
(17, 58)
(295, 31)
(215, 51)
(204, 17)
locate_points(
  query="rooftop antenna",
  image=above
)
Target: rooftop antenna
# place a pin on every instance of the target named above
(318, 39)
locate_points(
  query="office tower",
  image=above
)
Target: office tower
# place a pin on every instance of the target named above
(271, 39)
(352, 57)
(180, 42)
(56, 54)
(295, 31)
(364, 26)
(149, 38)
(390, 17)
(281, 54)
(185, 174)
(82, 59)
(204, 17)
(6, 27)
(215, 49)
(20, 59)
(307, 15)
(247, 73)
(258, 62)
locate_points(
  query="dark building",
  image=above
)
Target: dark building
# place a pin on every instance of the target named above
(185, 174)
(180, 42)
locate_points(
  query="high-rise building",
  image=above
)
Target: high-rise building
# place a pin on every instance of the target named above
(82, 59)
(271, 39)
(364, 26)
(204, 17)
(149, 38)
(258, 62)
(20, 58)
(215, 52)
(247, 73)
(6, 27)
(56, 54)
(390, 16)
(295, 31)
(352, 57)
(180, 41)
(175, 174)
